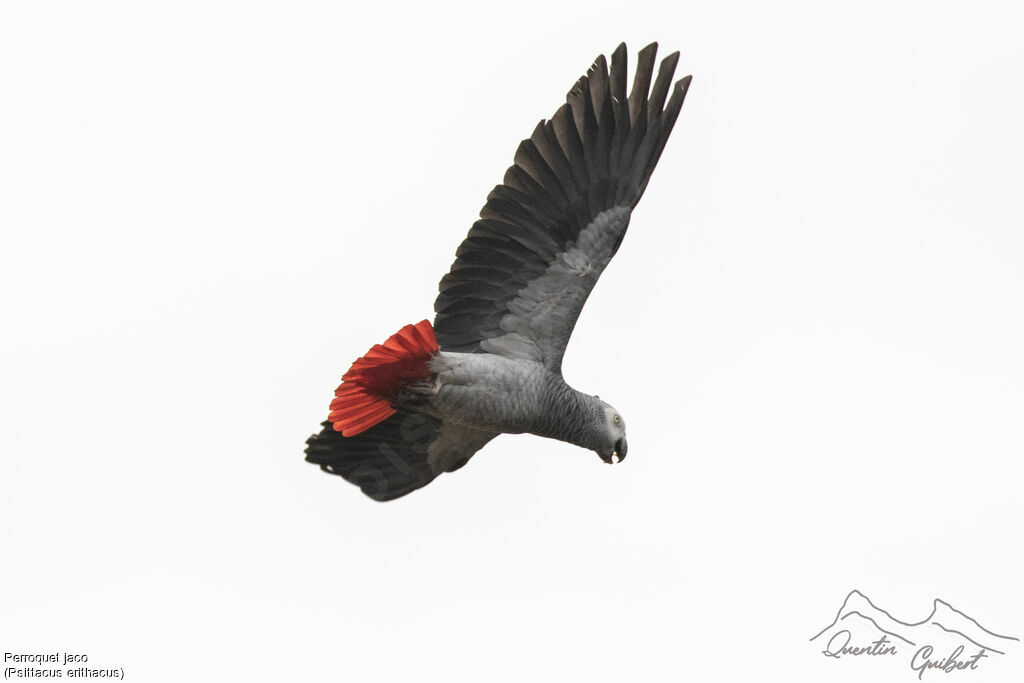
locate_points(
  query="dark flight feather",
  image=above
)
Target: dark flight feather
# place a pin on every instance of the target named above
(386, 461)
(597, 152)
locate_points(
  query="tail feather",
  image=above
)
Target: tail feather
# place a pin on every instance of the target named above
(364, 397)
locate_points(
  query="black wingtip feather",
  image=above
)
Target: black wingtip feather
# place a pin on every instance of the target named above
(386, 461)
(668, 121)
(618, 75)
(666, 70)
(642, 80)
(598, 75)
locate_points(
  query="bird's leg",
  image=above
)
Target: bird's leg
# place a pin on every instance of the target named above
(417, 393)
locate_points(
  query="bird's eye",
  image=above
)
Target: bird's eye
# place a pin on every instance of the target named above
(618, 419)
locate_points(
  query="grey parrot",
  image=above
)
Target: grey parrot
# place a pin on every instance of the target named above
(423, 402)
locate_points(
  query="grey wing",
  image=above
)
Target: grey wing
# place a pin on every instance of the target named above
(545, 235)
(397, 456)
(455, 445)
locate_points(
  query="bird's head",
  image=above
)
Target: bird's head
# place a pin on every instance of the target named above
(613, 448)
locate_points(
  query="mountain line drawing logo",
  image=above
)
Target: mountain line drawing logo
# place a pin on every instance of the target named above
(946, 641)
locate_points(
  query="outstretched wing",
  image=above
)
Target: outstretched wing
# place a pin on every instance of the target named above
(545, 235)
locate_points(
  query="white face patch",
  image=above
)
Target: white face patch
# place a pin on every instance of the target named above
(616, 425)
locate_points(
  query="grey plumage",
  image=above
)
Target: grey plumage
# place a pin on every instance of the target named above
(506, 309)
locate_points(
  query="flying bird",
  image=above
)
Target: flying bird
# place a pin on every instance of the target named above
(423, 402)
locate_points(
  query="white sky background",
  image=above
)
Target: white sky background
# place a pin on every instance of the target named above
(813, 329)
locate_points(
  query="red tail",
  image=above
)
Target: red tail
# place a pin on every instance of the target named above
(363, 399)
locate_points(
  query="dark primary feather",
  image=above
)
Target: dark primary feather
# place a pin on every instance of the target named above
(596, 153)
(386, 461)
(397, 456)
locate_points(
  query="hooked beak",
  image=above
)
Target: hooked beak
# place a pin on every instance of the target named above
(619, 454)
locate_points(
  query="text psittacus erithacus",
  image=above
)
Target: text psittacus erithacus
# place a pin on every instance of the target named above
(429, 398)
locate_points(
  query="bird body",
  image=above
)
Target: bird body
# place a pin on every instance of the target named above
(510, 396)
(431, 396)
